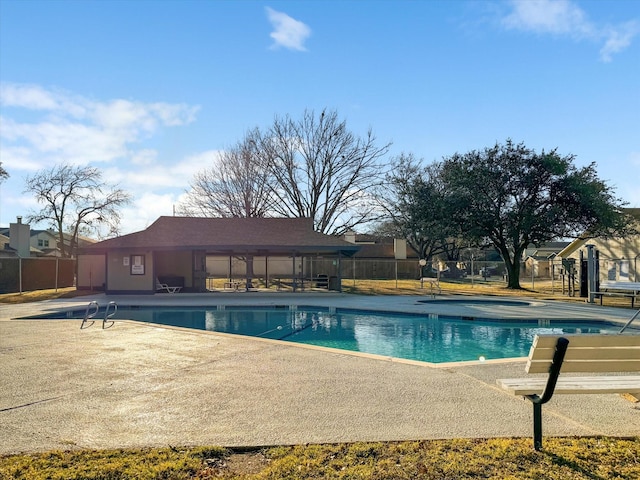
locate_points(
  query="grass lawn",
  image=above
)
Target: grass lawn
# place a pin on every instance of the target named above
(562, 458)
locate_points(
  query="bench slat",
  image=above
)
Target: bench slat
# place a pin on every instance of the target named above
(587, 340)
(620, 285)
(573, 385)
(587, 353)
(604, 353)
(632, 365)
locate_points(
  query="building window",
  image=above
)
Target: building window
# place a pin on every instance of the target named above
(43, 243)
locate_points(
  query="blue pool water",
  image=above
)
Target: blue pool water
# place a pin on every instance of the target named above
(417, 337)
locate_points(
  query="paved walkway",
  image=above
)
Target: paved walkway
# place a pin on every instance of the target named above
(144, 385)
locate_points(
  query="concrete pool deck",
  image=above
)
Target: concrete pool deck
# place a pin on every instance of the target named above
(144, 385)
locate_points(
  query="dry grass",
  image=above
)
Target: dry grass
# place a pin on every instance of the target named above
(542, 289)
(39, 295)
(562, 458)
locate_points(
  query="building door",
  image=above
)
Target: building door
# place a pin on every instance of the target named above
(199, 271)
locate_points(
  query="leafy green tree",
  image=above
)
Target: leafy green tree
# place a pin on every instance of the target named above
(510, 196)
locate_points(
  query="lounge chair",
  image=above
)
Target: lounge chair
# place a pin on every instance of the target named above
(164, 286)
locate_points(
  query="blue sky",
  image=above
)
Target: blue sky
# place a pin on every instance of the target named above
(149, 91)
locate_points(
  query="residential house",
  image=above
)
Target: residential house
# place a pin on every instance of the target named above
(541, 261)
(618, 257)
(381, 257)
(44, 243)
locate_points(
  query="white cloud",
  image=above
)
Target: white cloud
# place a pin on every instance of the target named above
(146, 210)
(144, 157)
(18, 158)
(288, 32)
(27, 96)
(617, 39)
(566, 18)
(74, 129)
(20, 203)
(559, 17)
(151, 174)
(42, 127)
(35, 97)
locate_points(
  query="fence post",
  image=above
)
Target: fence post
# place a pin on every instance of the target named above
(396, 265)
(354, 271)
(533, 270)
(591, 273)
(20, 274)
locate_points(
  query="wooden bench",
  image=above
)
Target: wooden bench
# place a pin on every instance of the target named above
(621, 289)
(581, 354)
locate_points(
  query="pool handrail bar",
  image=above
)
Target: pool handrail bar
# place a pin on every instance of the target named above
(107, 315)
(88, 316)
(635, 315)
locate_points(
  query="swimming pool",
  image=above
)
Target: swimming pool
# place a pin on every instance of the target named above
(428, 338)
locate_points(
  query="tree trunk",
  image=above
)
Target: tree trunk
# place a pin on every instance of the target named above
(513, 267)
(513, 272)
(61, 245)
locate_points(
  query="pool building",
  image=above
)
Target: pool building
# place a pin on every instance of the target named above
(185, 251)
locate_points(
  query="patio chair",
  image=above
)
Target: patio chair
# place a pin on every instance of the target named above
(164, 286)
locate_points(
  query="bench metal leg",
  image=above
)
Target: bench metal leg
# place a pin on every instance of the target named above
(537, 426)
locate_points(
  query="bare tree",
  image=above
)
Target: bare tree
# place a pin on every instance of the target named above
(3, 173)
(319, 169)
(75, 200)
(235, 186)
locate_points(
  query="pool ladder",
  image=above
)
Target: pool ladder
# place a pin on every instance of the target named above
(88, 316)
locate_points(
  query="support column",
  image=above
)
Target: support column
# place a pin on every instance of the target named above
(293, 272)
(591, 273)
(537, 426)
(339, 272)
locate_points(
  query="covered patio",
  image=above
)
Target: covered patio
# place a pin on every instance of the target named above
(192, 252)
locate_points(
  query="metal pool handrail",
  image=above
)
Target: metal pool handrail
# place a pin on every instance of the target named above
(107, 316)
(88, 316)
(629, 322)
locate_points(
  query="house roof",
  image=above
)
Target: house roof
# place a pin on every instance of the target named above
(546, 251)
(5, 249)
(585, 237)
(381, 247)
(8, 251)
(229, 235)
